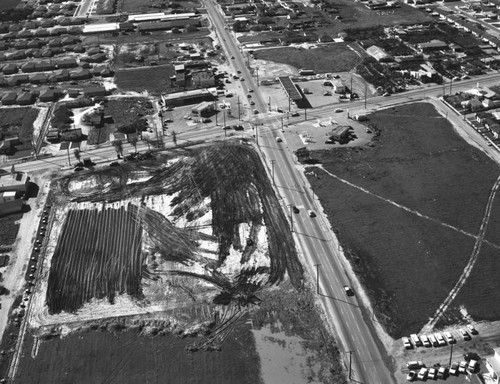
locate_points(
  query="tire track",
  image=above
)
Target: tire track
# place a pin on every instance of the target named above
(472, 260)
(412, 211)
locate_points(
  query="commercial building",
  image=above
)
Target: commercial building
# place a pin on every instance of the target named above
(203, 109)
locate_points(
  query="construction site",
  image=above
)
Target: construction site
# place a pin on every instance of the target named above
(195, 244)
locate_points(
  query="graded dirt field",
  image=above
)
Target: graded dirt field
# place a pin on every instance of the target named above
(326, 58)
(408, 208)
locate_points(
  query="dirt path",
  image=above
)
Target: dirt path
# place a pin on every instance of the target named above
(472, 260)
(14, 275)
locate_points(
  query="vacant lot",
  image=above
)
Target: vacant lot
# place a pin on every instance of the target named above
(9, 226)
(17, 122)
(409, 255)
(337, 57)
(154, 80)
(97, 256)
(128, 111)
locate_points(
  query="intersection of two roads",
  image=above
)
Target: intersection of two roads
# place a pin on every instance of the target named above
(364, 355)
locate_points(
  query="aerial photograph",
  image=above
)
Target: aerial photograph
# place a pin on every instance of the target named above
(249, 192)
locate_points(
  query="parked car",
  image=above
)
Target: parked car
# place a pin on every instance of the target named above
(465, 335)
(407, 343)
(454, 369)
(295, 209)
(425, 341)
(462, 368)
(432, 373)
(422, 374)
(433, 341)
(440, 339)
(311, 213)
(449, 337)
(471, 329)
(415, 364)
(442, 373)
(473, 365)
(411, 376)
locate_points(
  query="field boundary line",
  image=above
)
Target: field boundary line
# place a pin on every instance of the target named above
(472, 259)
(421, 215)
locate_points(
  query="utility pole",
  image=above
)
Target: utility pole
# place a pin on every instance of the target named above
(305, 114)
(238, 103)
(281, 123)
(289, 102)
(269, 104)
(317, 277)
(256, 135)
(451, 85)
(272, 169)
(257, 71)
(224, 117)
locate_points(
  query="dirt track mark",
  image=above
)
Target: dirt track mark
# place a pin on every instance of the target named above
(472, 260)
(421, 215)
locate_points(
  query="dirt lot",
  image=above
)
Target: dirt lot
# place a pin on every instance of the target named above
(326, 58)
(154, 80)
(406, 209)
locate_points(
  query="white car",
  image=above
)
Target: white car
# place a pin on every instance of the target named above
(462, 368)
(432, 373)
(440, 339)
(422, 374)
(449, 337)
(425, 341)
(407, 343)
(465, 334)
(471, 329)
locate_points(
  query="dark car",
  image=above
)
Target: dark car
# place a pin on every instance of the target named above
(295, 209)
(348, 291)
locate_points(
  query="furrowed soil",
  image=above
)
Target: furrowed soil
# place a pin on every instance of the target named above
(407, 209)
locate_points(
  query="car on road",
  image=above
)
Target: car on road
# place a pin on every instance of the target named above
(386, 94)
(238, 71)
(454, 369)
(348, 291)
(255, 112)
(432, 373)
(250, 90)
(278, 139)
(252, 102)
(471, 329)
(295, 209)
(232, 57)
(295, 114)
(338, 110)
(407, 343)
(422, 374)
(411, 376)
(242, 79)
(249, 96)
(311, 213)
(227, 81)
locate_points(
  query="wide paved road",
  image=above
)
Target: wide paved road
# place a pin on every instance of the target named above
(317, 242)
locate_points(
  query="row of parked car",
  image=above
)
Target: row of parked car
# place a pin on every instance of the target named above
(437, 339)
(423, 373)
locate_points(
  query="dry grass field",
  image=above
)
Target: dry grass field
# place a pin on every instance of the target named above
(407, 209)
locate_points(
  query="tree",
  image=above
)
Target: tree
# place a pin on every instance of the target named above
(118, 148)
(76, 152)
